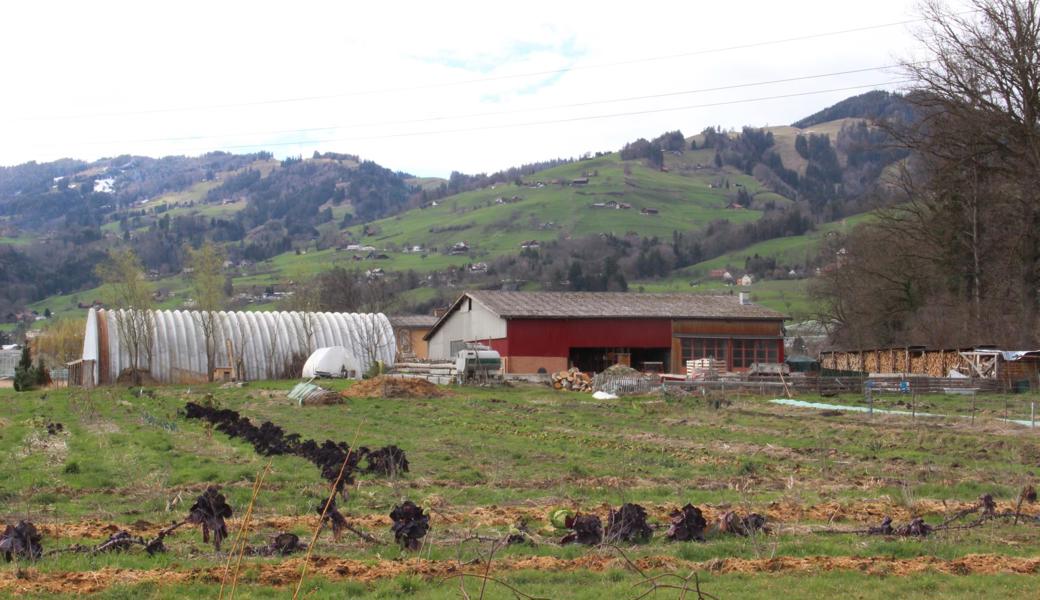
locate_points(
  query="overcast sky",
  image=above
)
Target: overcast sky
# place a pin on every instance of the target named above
(423, 87)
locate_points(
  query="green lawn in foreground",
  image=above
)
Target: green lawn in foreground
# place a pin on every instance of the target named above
(516, 435)
(128, 458)
(618, 583)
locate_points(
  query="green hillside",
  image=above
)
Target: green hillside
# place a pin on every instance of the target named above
(789, 296)
(188, 201)
(683, 196)
(628, 199)
(784, 137)
(688, 195)
(791, 251)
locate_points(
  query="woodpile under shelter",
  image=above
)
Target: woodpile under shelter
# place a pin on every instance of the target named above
(1012, 368)
(241, 346)
(552, 331)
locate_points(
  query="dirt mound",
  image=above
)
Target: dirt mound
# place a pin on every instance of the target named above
(394, 387)
(287, 571)
(981, 564)
(865, 512)
(872, 511)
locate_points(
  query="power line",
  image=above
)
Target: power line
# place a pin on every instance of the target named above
(501, 112)
(482, 79)
(263, 145)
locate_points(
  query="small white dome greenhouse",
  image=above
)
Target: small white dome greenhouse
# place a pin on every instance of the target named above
(334, 362)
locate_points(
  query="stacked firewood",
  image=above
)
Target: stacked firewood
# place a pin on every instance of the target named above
(572, 379)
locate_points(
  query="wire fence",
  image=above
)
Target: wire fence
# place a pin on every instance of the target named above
(625, 384)
(920, 399)
(1011, 411)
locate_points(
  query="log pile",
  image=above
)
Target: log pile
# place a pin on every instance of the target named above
(930, 362)
(572, 380)
(441, 373)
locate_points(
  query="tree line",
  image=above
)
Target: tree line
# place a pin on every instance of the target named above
(954, 260)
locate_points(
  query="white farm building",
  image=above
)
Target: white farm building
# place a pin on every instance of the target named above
(244, 345)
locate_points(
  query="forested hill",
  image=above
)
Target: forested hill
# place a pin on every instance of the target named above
(874, 105)
(668, 201)
(45, 197)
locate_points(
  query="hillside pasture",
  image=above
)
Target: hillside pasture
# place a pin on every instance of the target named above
(790, 251)
(20, 240)
(494, 224)
(190, 200)
(784, 138)
(788, 296)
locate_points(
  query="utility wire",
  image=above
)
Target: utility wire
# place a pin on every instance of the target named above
(493, 113)
(500, 112)
(479, 80)
(262, 145)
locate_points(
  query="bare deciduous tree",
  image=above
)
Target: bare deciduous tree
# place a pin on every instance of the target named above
(968, 221)
(207, 283)
(128, 289)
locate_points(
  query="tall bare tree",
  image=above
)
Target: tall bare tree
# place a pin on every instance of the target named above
(306, 299)
(128, 289)
(969, 218)
(207, 283)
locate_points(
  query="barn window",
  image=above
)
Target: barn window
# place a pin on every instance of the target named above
(746, 352)
(694, 348)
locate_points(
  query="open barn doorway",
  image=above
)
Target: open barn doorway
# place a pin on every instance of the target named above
(655, 360)
(595, 360)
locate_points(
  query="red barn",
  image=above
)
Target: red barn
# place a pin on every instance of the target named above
(552, 331)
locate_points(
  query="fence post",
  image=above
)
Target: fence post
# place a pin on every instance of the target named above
(973, 407)
(913, 407)
(1032, 415)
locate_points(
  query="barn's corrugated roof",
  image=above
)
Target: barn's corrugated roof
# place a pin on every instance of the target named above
(416, 321)
(606, 305)
(596, 305)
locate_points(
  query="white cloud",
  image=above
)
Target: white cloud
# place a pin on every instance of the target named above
(95, 79)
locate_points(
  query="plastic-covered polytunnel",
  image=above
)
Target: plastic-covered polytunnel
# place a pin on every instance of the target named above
(171, 346)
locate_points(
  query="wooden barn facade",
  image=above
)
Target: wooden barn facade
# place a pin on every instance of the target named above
(552, 331)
